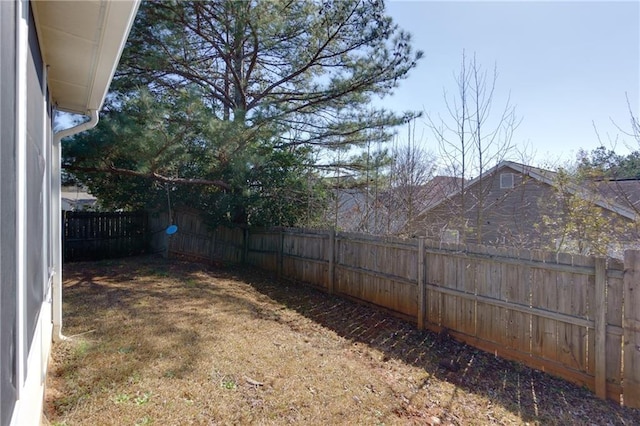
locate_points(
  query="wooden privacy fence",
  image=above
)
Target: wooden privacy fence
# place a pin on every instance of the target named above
(576, 317)
(103, 235)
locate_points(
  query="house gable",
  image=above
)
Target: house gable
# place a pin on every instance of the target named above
(508, 206)
(502, 205)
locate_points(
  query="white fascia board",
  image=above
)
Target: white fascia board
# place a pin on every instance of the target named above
(118, 21)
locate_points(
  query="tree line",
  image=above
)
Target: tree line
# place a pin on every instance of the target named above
(261, 113)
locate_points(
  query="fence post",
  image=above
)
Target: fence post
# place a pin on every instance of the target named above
(245, 245)
(631, 329)
(601, 328)
(332, 260)
(422, 294)
(212, 247)
(280, 256)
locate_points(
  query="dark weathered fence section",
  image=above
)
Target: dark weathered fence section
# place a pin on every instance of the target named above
(577, 317)
(100, 235)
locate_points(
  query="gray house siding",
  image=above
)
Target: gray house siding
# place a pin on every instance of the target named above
(8, 281)
(37, 167)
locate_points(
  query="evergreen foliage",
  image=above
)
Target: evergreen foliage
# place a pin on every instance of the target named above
(228, 105)
(603, 163)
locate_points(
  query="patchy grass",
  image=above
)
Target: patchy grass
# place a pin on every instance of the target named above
(173, 343)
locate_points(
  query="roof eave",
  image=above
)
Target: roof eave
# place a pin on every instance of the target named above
(81, 45)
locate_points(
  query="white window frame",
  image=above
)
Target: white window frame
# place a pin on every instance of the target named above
(508, 184)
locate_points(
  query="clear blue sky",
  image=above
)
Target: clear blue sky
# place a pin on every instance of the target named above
(565, 64)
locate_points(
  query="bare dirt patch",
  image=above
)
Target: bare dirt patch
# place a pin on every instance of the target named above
(176, 343)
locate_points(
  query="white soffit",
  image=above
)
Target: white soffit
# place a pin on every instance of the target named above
(81, 44)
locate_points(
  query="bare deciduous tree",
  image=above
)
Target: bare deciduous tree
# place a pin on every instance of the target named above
(472, 139)
(413, 167)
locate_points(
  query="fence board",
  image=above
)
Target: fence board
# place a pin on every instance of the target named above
(305, 258)
(449, 313)
(421, 285)
(584, 297)
(518, 291)
(614, 341)
(544, 295)
(467, 307)
(433, 272)
(599, 354)
(631, 323)
(263, 250)
(571, 338)
(490, 322)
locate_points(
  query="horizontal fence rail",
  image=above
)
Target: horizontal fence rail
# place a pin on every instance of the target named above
(555, 312)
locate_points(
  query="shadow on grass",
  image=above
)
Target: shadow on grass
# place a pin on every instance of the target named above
(533, 395)
(134, 306)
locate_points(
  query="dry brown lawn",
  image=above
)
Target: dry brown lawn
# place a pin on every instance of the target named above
(175, 343)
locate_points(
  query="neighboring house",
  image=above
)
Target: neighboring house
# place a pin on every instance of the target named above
(361, 210)
(519, 206)
(75, 198)
(53, 55)
(349, 210)
(388, 211)
(421, 199)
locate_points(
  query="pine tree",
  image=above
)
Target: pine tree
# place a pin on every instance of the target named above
(230, 103)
